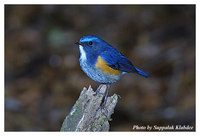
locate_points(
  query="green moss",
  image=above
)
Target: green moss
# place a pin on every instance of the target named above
(103, 120)
(62, 128)
(92, 126)
(119, 96)
(111, 100)
(107, 119)
(78, 109)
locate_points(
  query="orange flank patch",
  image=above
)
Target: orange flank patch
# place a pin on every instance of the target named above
(104, 67)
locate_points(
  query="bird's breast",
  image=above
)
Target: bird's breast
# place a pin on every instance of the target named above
(99, 71)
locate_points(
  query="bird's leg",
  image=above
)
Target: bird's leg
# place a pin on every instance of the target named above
(106, 96)
(98, 90)
(105, 100)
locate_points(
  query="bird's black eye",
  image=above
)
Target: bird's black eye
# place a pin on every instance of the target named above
(90, 43)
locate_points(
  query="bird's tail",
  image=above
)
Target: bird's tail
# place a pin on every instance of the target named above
(142, 73)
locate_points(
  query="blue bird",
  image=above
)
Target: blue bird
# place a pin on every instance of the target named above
(103, 63)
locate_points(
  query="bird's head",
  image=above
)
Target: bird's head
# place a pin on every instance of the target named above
(92, 44)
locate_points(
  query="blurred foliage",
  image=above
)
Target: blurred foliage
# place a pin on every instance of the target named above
(43, 78)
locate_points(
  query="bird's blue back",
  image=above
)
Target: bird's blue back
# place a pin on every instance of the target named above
(113, 58)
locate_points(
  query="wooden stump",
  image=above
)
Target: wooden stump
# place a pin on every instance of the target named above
(86, 114)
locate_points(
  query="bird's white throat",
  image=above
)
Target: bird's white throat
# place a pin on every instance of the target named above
(82, 53)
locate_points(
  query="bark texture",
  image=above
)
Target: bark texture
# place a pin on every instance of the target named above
(86, 114)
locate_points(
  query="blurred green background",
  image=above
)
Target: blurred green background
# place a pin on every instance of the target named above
(43, 78)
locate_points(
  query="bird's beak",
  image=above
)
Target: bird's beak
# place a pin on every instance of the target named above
(77, 43)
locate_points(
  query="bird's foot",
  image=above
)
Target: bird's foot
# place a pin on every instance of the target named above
(98, 91)
(102, 107)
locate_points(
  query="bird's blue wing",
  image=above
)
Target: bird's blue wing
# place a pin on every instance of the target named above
(117, 61)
